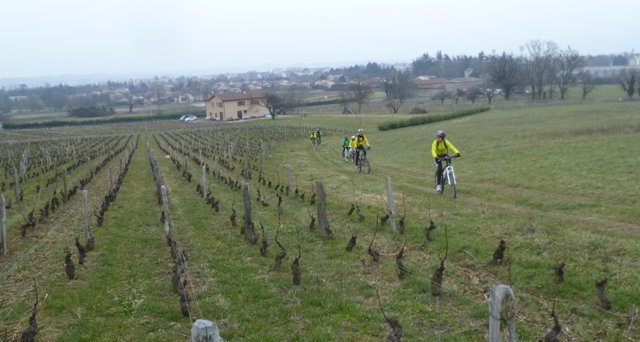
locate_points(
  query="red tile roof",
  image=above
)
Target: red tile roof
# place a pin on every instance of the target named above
(246, 95)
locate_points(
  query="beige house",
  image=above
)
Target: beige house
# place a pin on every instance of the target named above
(235, 106)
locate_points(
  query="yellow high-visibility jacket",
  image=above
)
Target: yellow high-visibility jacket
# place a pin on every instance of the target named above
(352, 143)
(362, 140)
(438, 149)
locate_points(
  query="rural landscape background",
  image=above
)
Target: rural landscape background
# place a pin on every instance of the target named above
(156, 168)
(555, 179)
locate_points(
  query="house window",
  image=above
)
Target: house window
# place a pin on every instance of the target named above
(245, 111)
(241, 103)
(219, 104)
(255, 102)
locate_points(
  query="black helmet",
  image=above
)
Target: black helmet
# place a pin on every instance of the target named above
(440, 134)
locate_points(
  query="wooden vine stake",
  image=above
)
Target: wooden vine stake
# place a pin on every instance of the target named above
(322, 210)
(165, 208)
(85, 211)
(500, 293)
(3, 224)
(391, 206)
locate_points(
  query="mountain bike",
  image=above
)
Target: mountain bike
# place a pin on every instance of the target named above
(347, 154)
(363, 163)
(448, 176)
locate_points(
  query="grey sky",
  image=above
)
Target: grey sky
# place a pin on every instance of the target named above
(44, 37)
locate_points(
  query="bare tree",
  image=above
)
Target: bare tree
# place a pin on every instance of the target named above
(586, 81)
(539, 65)
(360, 93)
(397, 89)
(442, 95)
(345, 99)
(628, 82)
(504, 71)
(566, 64)
(273, 101)
(472, 94)
(293, 96)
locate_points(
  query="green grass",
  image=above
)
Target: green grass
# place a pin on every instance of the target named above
(538, 177)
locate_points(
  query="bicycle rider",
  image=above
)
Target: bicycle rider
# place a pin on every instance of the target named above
(361, 141)
(352, 147)
(345, 146)
(439, 149)
(318, 135)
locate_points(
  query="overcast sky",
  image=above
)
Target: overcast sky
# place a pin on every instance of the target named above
(46, 37)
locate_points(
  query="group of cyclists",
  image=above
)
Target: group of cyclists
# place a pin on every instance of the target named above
(353, 146)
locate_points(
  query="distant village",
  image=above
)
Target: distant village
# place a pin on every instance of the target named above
(429, 77)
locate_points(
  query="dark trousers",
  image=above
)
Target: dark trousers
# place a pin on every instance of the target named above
(439, 170)
(358, 150)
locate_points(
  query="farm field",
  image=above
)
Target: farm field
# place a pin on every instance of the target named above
(559, 184)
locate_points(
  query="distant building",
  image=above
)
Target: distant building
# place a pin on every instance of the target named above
(431, 85)
(235, 106)
(610, 71)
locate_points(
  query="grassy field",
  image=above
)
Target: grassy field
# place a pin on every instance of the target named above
(557, 183)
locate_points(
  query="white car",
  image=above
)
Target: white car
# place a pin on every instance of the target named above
(190, 118)
(183, 117)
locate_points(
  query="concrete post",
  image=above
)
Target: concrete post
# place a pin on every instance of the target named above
(248, 220)
(391, 206)
(322, 209)
(204, 181)
(288, 167)
(498, 294)
(165, 207)
(85, 211)
(204, 330)
(110, 179)
(16, 184)
(3, 224)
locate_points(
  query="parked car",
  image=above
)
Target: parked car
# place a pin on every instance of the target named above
(190, 118)
(183, 117)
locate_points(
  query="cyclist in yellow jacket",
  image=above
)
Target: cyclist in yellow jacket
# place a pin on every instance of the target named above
(361, 141)
(439, 149)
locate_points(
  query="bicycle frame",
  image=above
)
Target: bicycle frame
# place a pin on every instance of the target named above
(449, 174)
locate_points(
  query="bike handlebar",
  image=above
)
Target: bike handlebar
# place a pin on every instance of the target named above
(447, 157)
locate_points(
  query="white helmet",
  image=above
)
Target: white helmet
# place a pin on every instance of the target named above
(360, 131)
(353, 137)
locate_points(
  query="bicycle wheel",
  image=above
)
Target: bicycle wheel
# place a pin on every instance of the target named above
(453, 191)
(366, 166)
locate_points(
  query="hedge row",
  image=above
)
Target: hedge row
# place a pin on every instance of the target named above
(118, 119)
(425, 119)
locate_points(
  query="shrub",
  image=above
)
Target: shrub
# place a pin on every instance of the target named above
(421, 120)
(418, 110)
